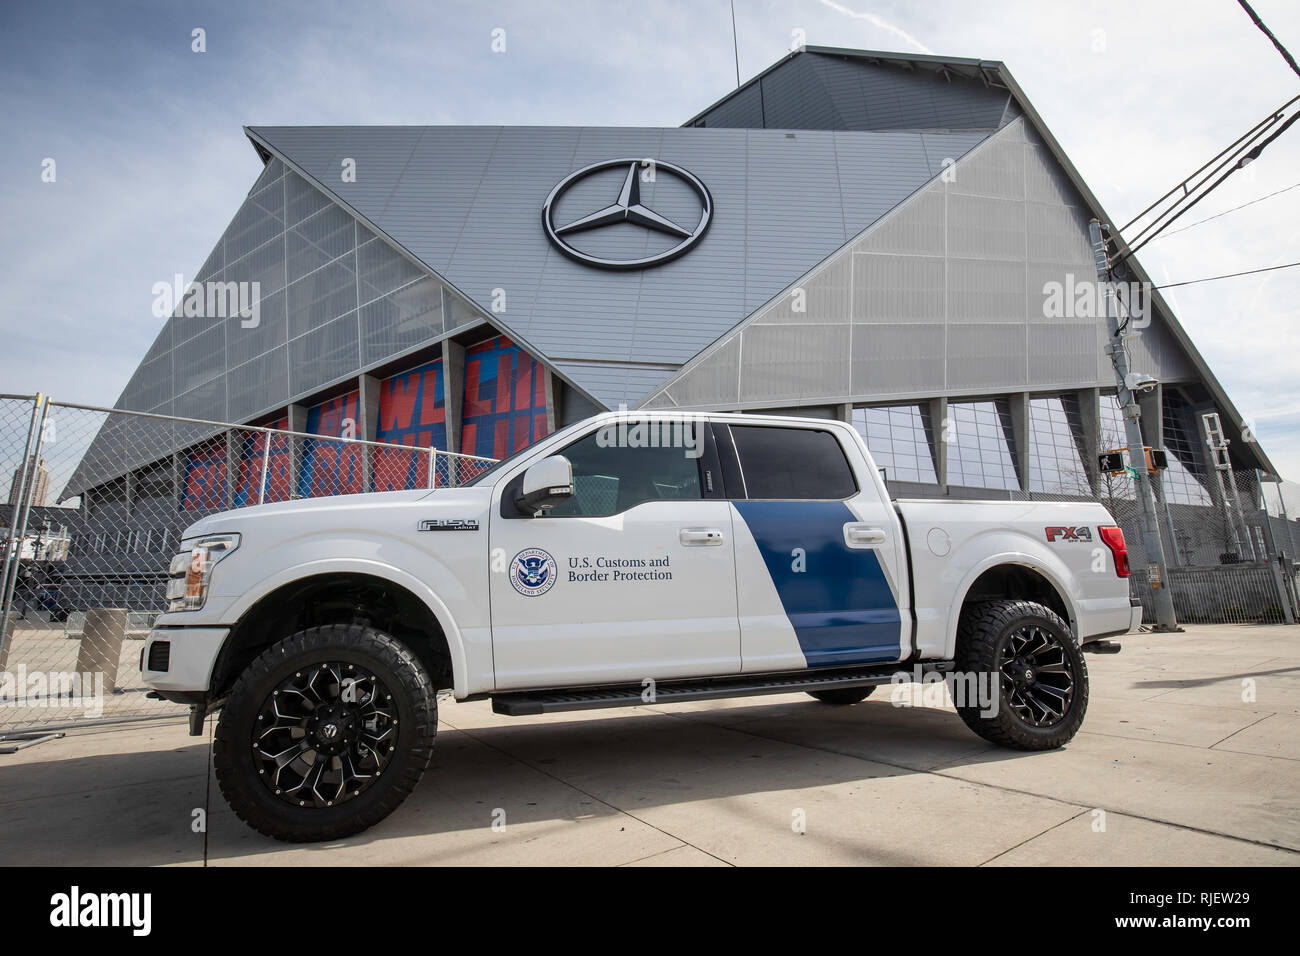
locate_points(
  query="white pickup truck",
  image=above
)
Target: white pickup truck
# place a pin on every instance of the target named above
(620, 561)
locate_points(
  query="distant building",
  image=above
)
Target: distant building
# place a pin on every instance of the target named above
(40, 479)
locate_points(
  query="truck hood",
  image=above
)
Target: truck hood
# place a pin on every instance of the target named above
(349, 510)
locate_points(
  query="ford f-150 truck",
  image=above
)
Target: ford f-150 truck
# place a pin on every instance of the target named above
(629, 559)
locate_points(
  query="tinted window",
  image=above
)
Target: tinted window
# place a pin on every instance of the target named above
(792, 463)
(615, 471)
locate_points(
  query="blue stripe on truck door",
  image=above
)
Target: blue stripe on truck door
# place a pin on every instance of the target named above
(840, 606)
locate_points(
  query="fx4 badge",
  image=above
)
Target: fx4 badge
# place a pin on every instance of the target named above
(448, 524)
(1069, 534)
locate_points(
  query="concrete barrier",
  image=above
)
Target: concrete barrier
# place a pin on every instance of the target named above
(101, 644)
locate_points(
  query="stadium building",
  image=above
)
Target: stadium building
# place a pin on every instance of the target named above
(888, 239)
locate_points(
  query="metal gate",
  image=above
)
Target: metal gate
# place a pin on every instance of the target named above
(97, 503)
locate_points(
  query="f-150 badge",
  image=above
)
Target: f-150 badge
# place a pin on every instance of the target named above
(448, 524)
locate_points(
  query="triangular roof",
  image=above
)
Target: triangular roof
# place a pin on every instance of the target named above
(465, 201)
(800, 160)
(847, 76)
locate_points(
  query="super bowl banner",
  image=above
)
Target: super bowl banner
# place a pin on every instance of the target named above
(504, 410)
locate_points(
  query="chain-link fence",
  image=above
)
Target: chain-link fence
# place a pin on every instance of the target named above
(1229, 560)
(97, 504)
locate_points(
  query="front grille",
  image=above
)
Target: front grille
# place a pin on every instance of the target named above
(160, 655)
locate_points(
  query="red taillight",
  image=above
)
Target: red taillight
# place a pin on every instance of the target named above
(1113, 538)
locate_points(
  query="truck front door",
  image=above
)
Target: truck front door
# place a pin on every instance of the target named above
(632, 578)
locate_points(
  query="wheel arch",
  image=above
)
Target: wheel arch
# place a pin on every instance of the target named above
(328, 594)
(1011, 576)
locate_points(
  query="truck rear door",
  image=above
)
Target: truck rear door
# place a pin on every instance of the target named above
(820, 562)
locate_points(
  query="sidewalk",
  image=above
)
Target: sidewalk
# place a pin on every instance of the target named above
(1172, 762)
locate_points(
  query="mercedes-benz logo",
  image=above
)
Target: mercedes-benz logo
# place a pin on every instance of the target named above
(627, 208)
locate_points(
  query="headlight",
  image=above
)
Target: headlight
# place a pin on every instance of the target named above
(191, 571)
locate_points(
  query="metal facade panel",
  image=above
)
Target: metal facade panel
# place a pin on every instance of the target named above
(779, 362)
(260, 385)
(430, 201)
(949, 295)
(795, 97)
(815, 90)
(897, 288)
(717, 385)
(401, 320)
(829, 301)
(1064, 353)
(797, 224)
(617, 385)
(916, 230)
(1000, 173)
(987, 355)
(324, 355)
(986, 290)
(984, 228)
(898, 358)
(742, 111)
(379, 152)
(781, 206)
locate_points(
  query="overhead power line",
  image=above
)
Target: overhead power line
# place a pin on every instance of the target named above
(1198, 222)
(1182, 198)
(1269, 33)
(1231, 275)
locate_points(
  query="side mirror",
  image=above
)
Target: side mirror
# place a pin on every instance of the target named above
(545, 485)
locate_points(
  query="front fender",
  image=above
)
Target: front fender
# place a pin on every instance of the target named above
(456, 642)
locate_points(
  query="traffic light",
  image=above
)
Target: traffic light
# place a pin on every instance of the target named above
(1112, 462)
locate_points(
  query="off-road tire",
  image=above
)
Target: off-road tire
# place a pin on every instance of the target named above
(842, 696)
(413, 700)
(982, 635)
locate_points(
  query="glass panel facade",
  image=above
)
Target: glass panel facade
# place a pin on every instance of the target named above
(334, 298)
(899, 437)
(1183, 482)
(981, 449)
(1054, 463)
(1112, 438)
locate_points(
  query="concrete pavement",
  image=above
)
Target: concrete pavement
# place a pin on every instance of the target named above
(1189, 755)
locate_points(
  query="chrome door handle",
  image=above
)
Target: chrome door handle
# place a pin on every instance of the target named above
(701, 536)
(861, 534)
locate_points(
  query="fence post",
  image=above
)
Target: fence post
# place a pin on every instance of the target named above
(6, 641)
(266, 458)
(21, 510)
(1284, 598)
(433, 465)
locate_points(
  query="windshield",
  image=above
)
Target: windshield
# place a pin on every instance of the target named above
(493, 469)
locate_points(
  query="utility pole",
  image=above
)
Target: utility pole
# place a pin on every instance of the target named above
(1157, 570)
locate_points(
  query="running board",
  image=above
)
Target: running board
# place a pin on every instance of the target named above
(529, 703)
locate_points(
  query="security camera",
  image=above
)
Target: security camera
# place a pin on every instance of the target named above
(1139, 382)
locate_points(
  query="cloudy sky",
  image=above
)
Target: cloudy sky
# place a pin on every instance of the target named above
(151, 160)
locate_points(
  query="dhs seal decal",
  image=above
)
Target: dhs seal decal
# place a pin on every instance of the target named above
(532, 572)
